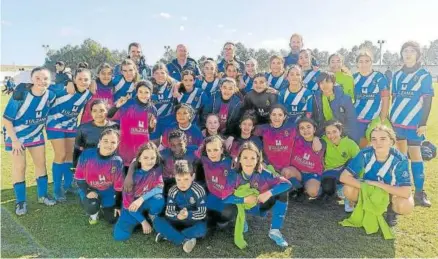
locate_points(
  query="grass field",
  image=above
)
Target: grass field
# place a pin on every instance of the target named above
(312, 230)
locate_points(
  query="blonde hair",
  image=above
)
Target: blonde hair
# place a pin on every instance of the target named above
(365, 52)
(389, 131)
(344, 69)
(128, 62)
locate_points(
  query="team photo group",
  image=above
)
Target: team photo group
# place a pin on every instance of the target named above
(182, 149)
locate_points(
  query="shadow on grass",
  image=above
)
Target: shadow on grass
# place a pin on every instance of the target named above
(63, 231)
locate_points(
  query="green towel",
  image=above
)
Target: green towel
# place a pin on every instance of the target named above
(376, 121)
(243, 191)
(373, 202)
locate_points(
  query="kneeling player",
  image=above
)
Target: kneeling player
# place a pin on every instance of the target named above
(386, 168)
(98, 174)
(147, 194)
(186, 210)
(306, 165)
(272, 190)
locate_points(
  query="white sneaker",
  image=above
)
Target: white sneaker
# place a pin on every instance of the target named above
(189, 245)
(278, 238)
(347, 206)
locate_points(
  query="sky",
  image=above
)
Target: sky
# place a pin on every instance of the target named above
(204, 26)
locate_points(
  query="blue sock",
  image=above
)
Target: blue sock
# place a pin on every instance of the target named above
(278, 213)
(42, 183)
(57, 178)
(20, 191)
(296, 184)
(68, 175)
(418, 175)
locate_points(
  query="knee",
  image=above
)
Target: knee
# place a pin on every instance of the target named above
(158, 205)
(92, 206)
(289, 172)
(312, 191)
(229, 212)
(351, 193)
(328, 185)
(402, 206)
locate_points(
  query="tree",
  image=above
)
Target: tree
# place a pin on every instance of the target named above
(391, 59)
(90, 51)
(169, 55)
(321, 57)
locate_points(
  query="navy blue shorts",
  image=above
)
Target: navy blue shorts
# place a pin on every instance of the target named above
(410, 135)
(52, 134)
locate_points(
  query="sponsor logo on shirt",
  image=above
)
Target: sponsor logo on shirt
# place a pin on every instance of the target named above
(35, 121)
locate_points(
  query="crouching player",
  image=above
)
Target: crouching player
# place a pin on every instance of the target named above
(384, 167)
(186, 210)
(98, 173)
(147, 194)
(272, 188)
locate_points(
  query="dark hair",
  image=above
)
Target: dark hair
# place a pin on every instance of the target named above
(260, 74)
(144, 83)
(130, 62)
(109, 132)
(229, 42)
(97, 102)
(415, 45)
(133, 44)
(148, 146)
(308, 120)
(326, 76)
(61, 63)
(80, 70)
(104, 66)
(335, 123)
(249, 145)
(184, 73)
(177, 134)
(186, 106)
(212, 139)
(249, 115)
(38, 69)
(183, 167)
(83, 65)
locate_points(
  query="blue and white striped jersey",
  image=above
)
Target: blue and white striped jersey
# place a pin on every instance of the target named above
(296, 104)
(310, 79)
(367, 95)
(408, 91)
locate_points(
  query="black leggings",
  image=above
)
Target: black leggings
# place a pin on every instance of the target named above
(92, 206)
(229, 213)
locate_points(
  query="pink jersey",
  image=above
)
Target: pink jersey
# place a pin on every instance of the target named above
(305, 159)
(218, 175)
(144, 182)
(223, 116)
(134, 128)
(104, 93)
(100, 172)
(277, 144)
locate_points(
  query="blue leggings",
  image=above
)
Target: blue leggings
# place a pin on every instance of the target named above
(178, 231)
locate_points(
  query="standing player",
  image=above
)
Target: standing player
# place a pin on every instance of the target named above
(310, 75)
(229, 52)
(24, 121)
(104, 91)
(250, 71)
(186, 210)
(210, 81)
(331, 103)
(182, 62)
(138, 118)
(296, 98)
(371, 94)
(62, 127)
(384, 167)
(99, 175)
(227, 105)
(124, 84)
(412, 93)
(190, 95)
(147, 194)
(260, 99)
(276, 78)
(272, 188)
(342, 74)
